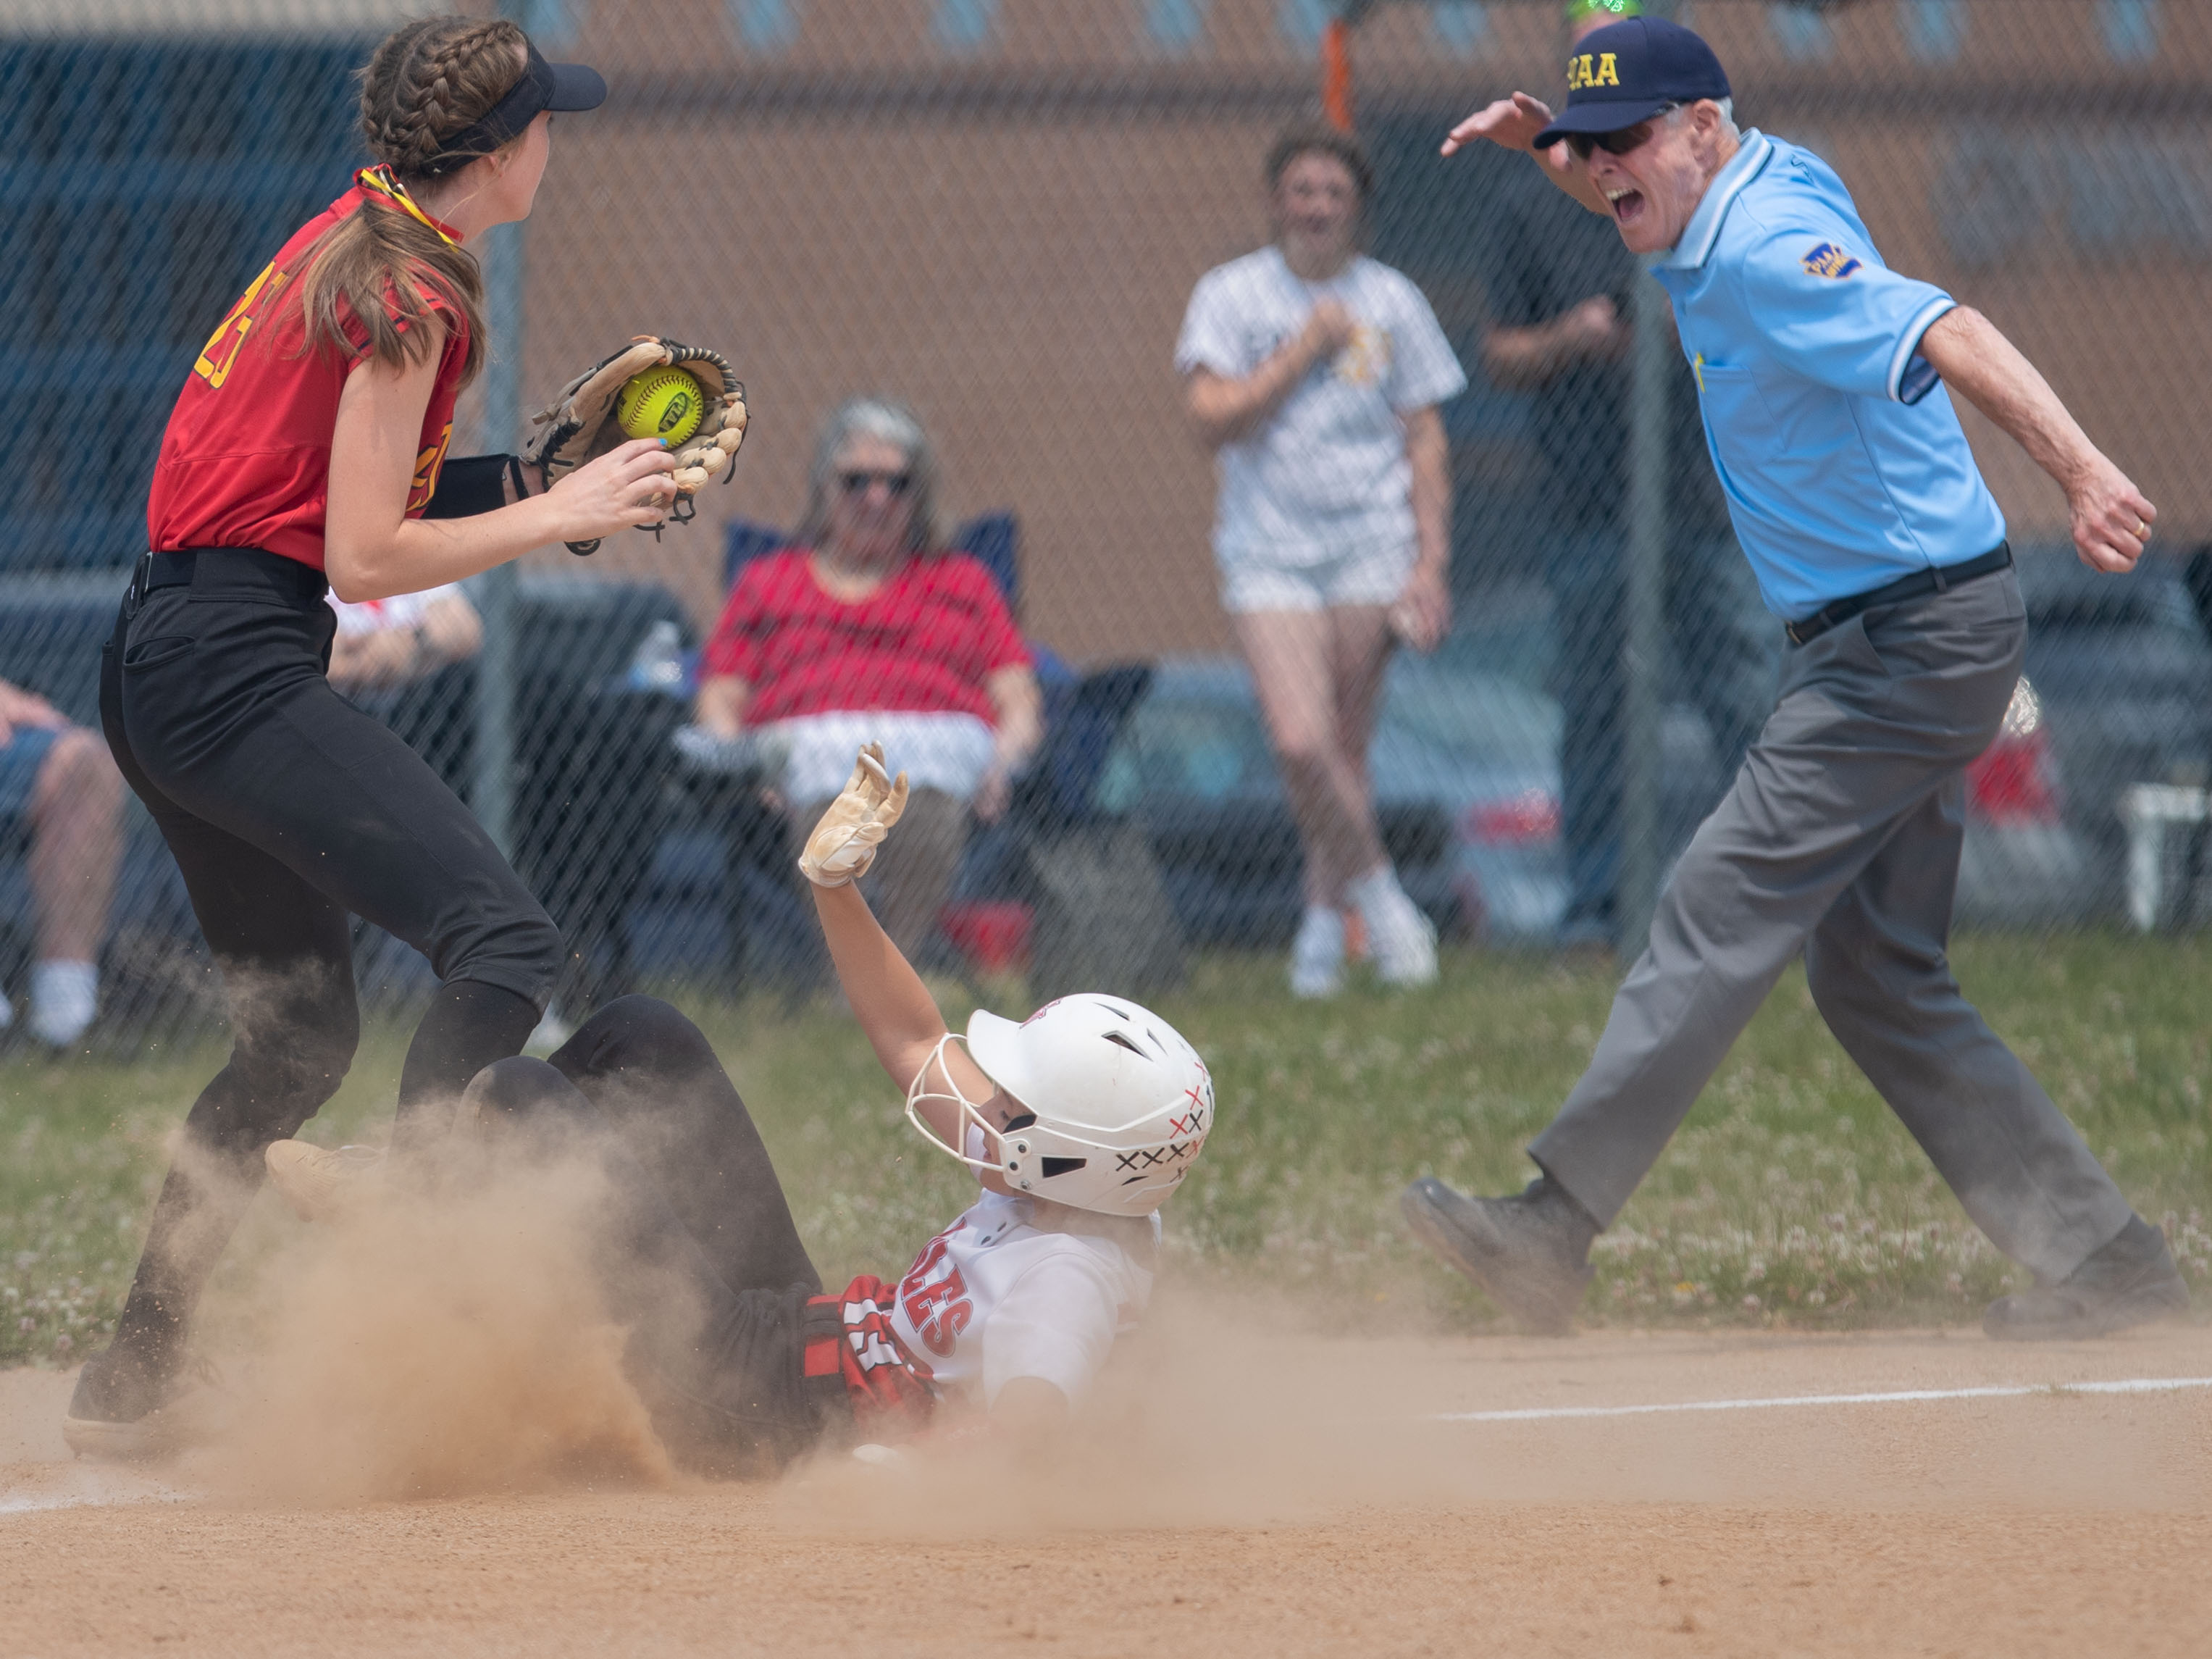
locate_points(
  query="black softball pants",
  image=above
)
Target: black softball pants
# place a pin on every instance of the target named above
(701, 1260)
(286, 808)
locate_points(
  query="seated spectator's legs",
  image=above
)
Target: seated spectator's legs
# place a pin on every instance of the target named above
(63, 781)
(914, 872)
(1318, 674)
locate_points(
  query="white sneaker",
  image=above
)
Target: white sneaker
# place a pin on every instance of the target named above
(1402, 941)
(320, 1184)
(64, 997)
(1317, 955)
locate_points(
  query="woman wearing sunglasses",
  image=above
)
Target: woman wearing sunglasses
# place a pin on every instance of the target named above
(866, 629)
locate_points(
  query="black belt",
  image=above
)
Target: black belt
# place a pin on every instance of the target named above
(1939, 580)
(251, 567)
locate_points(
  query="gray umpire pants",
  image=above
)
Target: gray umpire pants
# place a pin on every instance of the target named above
(1841, 837)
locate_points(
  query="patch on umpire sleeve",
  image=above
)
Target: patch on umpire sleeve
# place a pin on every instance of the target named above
(1829, 260)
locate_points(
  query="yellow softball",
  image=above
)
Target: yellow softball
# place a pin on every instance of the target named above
(661, 403)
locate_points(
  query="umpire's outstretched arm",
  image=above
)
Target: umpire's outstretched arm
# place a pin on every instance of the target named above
(2111, 519)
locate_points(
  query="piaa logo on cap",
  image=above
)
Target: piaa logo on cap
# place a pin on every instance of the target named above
(1829, 260)
(1593, 69)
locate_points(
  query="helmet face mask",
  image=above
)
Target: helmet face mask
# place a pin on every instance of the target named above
(980, 1137)
(1112, 1106)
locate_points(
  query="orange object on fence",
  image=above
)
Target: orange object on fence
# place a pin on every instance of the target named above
(1336, 73)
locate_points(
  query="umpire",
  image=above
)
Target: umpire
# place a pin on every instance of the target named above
(1821, 379)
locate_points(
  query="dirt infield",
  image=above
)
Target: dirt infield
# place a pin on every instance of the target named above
(1316, 1506)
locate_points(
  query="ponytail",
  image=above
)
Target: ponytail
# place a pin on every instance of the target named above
(385, 268)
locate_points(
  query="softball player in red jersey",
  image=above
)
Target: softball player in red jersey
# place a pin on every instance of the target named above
(308, 441)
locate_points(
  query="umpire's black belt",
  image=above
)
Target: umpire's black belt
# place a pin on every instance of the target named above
(1936, 580)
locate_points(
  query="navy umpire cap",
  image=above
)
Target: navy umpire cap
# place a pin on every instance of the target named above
(1629, 71)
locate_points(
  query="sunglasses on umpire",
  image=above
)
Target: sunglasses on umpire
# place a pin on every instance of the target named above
(856, 484)
(1622, 142)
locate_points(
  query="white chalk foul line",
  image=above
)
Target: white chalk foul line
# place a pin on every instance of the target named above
(1894, 1397)
(79, 1497)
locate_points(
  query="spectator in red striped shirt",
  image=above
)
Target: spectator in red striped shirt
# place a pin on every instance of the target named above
(866, 629)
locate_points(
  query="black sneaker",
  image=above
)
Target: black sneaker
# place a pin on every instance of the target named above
(126, 1410)
(2131, 1281)
(1529, 1251)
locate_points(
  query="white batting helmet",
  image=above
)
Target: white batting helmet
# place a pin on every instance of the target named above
(1121, 1104)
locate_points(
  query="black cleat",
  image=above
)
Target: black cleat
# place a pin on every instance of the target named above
(126, 1410)
(2130, 1281)
(1529, 1251)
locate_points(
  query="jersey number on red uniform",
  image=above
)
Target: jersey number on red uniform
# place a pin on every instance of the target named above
(938, 1311)
(221, 349)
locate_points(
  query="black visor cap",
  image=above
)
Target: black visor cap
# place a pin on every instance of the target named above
(576, 87)
(561, 88)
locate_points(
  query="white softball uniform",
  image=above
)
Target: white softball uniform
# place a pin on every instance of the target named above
(995, 1296)
(1326, 481)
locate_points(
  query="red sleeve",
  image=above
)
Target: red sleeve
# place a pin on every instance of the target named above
(733, 649)
(439, 303)
(435, 300)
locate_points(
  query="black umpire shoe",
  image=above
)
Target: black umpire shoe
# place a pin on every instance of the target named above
(1529, 1251)
(126, 1409)
(2131, 1281)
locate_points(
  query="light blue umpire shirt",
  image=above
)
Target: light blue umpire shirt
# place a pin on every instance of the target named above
(1842, 460)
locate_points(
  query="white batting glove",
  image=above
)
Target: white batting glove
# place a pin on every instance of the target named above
(843, 844)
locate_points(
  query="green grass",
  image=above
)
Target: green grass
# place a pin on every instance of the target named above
(1791, 1197)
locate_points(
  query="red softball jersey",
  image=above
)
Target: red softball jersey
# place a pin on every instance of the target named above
(924, 643)
(245, 461)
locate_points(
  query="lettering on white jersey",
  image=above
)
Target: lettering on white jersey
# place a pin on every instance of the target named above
(1067, 1292)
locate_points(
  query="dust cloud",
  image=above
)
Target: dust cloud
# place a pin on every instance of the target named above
(1221, 1411)
(1234, 1412)
(436, 1343)
(457, 1341)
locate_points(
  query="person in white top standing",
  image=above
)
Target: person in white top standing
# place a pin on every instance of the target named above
(1079, 1123)
(1314, 374)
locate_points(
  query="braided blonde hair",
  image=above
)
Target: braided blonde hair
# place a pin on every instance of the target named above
(425, 83)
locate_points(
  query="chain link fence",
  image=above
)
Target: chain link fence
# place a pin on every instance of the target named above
(995, 211)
